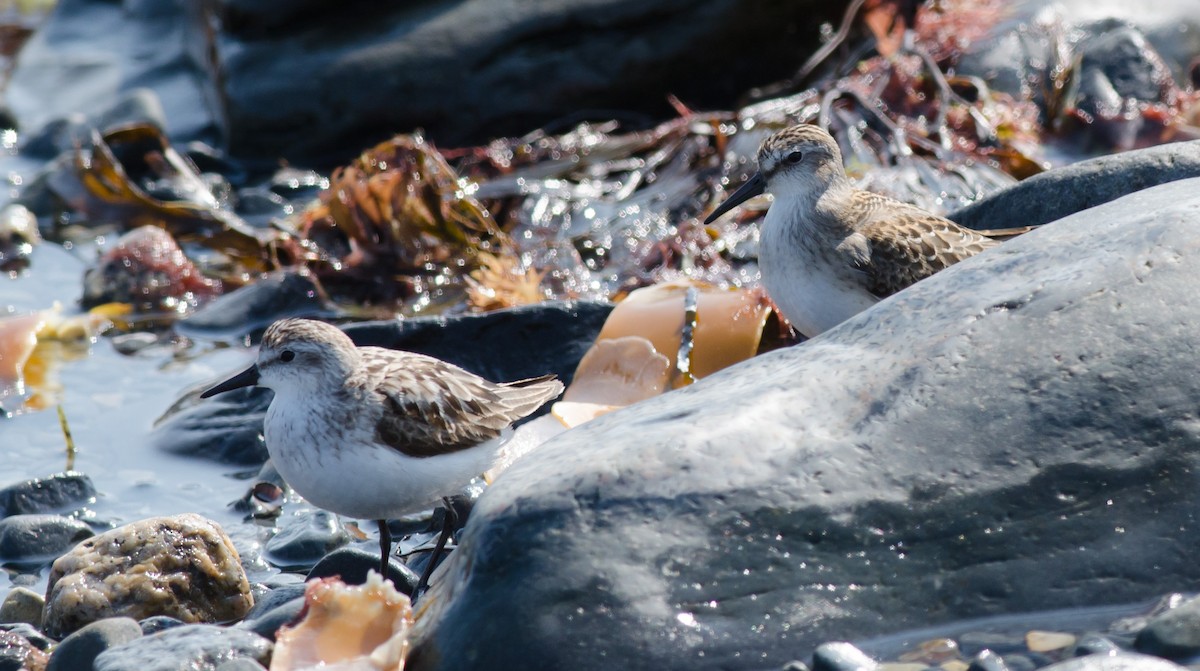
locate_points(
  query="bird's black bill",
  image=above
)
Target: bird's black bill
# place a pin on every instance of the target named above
(753, 187)
(246, 378)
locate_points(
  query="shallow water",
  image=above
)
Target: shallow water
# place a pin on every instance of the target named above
(111, 402)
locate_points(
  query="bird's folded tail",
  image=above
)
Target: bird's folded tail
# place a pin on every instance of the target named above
(525, 396)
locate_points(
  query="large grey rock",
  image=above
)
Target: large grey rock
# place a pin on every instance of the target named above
(1057, 193)
(316, 82)
(1017, 433)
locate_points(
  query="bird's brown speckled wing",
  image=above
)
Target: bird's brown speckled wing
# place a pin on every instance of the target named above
(912, 244)
(432, 407)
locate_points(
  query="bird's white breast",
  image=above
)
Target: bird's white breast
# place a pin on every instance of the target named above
(811, 285)
(340, 466)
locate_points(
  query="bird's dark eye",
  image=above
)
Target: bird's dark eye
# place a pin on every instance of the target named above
(794, 157)
(287, 355)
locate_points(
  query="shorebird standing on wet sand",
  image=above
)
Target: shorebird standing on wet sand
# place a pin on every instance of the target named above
(375, 433)
(828, 250)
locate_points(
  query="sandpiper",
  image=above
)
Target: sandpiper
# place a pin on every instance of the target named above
(375, 433)
(828, 250)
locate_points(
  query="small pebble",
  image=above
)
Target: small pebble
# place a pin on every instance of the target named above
(192, 646)
(241, 664)
(306, 540)
(1095, 644)
(987, 661)
(79, 650)
(268, 624)
(22, 605)
(17, 653)
(57, 493)
(932, 652)
(39, 538)
(1047, 641)
(352, 563)
(841, 656)
(157, 623)
(29, 633)
(974, 642)
(274, 598)
(1125, 661)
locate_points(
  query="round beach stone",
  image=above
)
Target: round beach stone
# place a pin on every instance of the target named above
(199, 647)
(18, 654)
(183, 566)
(352, 563)
(1174, 634)
(987, 661)
(305, 540)
(79, 650)
(37, 538)
(841, 656)
(1125, 661)
(22, 605)
(268, 623)
(157, 623)
(56, 493)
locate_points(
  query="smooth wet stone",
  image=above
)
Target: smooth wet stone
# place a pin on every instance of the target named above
(272, 599)
(183, 566)
(1057, 193)
(1017, 433)
(18, 654)
(352, 564)
(56, 493)
(157, 623)
(196, 647)
(306, 539)
(1125, 661)
(1174, 634)
(79, 650)
(841, 656)
(38, 538)
(29, 633)
(268, 623)
(241, 665)
(987, 661)
(252, 308)
(502, 345)
(1048, 641)
(1095, 644)
(22, 605)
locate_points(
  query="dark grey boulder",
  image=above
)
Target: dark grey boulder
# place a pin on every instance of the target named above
(1017, 433)
(1057, 193)
(316, 82)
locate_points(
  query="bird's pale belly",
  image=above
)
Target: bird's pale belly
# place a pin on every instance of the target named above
(811, 293)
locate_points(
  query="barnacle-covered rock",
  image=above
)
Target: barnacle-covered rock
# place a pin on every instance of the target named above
(182, 566)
